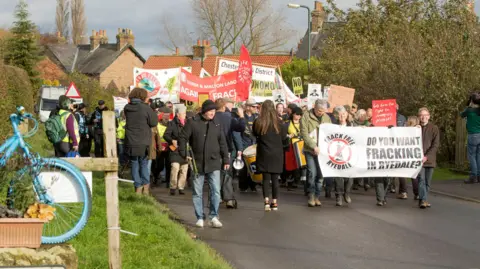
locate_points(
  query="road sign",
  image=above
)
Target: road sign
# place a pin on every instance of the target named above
(72, 91)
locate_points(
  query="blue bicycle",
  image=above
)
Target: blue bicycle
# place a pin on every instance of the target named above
(55, 183)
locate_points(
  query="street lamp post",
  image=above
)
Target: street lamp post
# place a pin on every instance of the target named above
(309, 27)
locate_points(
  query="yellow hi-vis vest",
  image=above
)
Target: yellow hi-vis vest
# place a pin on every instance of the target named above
(121, 129)
(161, 131)
(64, 118)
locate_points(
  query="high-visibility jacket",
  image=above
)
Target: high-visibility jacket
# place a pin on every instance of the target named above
(121, 129)
(161, 131)
(64, 118)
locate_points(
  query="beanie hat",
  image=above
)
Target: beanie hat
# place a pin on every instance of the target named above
(64, 102)
(208, 105)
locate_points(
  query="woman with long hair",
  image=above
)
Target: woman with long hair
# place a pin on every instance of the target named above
(271, 138)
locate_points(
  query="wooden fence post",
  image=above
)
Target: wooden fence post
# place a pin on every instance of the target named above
(111, 192)
(460, 143)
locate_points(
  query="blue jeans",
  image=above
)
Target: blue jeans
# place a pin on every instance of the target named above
(314, 175)
(214, 185)
(473, 148)
(140, 171)
(424, 181)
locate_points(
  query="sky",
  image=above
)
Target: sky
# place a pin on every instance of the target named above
(144, 18)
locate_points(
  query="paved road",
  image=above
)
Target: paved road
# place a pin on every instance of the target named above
(359, 236)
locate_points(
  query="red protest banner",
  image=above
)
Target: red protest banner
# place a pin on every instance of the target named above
(244, 75)
(384, 112)
(217, 87)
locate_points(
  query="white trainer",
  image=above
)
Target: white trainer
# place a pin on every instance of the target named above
(199, 223)
(215, 223)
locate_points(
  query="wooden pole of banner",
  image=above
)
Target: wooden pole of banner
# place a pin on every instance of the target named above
(216, 67)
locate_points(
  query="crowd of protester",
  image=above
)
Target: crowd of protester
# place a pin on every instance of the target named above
(194, 147)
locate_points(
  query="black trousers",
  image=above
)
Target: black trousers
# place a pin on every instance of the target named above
(84, 146)
(267, 177)
(61, 149)
(245, 181)
(162, 162)
(99, 143)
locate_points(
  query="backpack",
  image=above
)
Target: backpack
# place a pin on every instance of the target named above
(82, 124)
(54, 128)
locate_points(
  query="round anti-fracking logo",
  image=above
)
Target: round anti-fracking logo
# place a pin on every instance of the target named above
(148, 82)
(341, 151)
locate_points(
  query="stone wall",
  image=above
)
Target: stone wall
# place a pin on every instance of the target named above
(46, 255)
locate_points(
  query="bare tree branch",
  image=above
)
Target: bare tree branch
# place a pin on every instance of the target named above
(62, 17)
(229, 23)
(78, 21)
(174, 37)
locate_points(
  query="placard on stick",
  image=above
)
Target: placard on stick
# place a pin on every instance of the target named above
(384, 112)
(340, 96)
(279, 97)
(314, 93)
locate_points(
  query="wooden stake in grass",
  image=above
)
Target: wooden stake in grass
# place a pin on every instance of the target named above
(111, 188)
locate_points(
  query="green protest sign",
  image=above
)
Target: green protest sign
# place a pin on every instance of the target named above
(297, 85)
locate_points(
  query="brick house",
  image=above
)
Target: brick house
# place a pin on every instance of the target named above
(111, 63)
(202, 57)
(321, 30)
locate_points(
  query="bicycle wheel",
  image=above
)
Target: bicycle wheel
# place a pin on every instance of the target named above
(60, 185)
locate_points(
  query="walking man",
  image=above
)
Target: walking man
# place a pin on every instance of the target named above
(309, 131)
(205, 137)
(431, 142)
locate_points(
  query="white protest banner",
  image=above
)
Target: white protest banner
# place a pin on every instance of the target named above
(279, 97)
(314, 93)
(370, 152)
(263, 78)
(119, 103)
(160, 83)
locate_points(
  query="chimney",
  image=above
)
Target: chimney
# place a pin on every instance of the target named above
(318, 17)
(201, 49)
(177, 51)
(103, 37)
(124, 37)
(94, 40)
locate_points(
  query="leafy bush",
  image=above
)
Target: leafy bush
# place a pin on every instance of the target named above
(423, 53)
(15, 89)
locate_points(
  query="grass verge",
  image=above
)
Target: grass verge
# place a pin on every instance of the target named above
(161, 242)
(447, 174)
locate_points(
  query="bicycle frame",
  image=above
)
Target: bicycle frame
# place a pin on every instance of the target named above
(14, 142)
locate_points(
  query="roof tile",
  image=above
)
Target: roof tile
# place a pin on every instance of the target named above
(210, 62)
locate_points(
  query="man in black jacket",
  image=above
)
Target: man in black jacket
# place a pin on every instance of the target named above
(138, 137)
(205, 137)
(97, 122)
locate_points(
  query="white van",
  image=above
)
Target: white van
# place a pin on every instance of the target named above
(48, 100)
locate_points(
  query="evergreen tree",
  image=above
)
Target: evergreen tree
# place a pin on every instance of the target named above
(21, 49)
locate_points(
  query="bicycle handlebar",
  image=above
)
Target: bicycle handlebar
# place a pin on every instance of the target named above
(20, 116)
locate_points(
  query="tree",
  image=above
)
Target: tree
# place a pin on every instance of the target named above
(78, 21)
(21, 49)
(420, 52)
(299, 68)
(62, 16)
(175, 35)
(230, 23)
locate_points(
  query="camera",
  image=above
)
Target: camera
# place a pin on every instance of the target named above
(156, 103)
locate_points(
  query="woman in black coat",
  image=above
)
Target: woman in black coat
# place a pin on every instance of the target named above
(271, 138)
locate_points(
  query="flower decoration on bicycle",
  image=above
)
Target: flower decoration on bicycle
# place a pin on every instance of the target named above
(47, 188)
